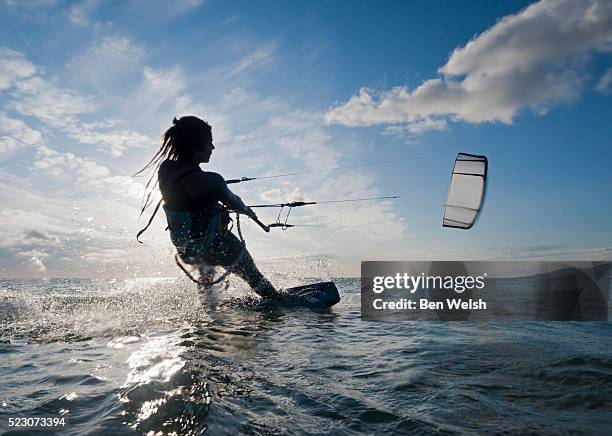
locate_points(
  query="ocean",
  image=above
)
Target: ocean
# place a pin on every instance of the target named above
(157, 356)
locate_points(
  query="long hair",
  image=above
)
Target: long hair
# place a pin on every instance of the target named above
(186, 135)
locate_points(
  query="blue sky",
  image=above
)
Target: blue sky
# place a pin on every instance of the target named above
(87, 88)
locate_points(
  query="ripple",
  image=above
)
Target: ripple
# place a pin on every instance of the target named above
(156, 356)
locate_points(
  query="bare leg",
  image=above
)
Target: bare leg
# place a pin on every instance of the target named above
(247, 271)
(223, 252)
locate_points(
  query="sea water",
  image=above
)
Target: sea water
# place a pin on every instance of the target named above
(157, 355)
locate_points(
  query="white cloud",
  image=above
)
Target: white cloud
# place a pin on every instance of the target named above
(64, 228)
(13, 66)
(276, 195)
(417, 127)
(32, 8)
(38, 263)
(16, 133)
(23, 218)
(114, 48)
(262, 56)
(39, 237)
(171, 9)
(33, 253)
(605, 83)
(157, 96)
(86, 174)
(8, 144)
(115, 142)
(374, 221)
(105, 256)
(51, 104)
(61, 108)
(30, 229)
(59, 164)
(175, 8)
(22, 233)
(303, 135)
(34, 258)
(533, 59)
(188, 4)
(162, 83)
(107, 62)
(80, 13)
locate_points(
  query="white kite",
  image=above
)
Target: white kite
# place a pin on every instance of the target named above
(466, 192)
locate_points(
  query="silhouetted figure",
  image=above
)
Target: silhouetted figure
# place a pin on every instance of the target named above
(197, 204)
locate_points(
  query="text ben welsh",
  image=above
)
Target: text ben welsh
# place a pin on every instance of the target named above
(412, 283)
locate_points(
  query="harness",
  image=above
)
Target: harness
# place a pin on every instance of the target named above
(192, 239)
(179, 261)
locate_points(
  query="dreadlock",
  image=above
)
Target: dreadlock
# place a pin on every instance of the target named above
(186, 135)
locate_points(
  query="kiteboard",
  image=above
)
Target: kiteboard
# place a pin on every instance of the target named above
(322, 294)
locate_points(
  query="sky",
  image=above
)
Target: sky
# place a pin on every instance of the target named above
(393, 90)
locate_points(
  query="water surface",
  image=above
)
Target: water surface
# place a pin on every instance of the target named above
(131, 357)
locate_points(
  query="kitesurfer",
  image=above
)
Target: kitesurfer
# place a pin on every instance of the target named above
(197, 204)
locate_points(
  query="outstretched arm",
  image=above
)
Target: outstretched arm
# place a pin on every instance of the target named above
(236, 204)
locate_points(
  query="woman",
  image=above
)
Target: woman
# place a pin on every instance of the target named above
(197, 203)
